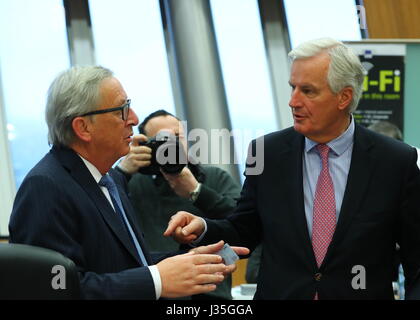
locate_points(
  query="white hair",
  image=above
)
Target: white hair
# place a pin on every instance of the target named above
(72, 93)
(345, 69)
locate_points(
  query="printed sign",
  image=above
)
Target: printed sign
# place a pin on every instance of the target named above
(383, 86)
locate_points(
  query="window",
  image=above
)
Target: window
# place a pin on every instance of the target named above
(245, 70)
(129, 40)
(308, 19)
(33, 50)
(30, 58)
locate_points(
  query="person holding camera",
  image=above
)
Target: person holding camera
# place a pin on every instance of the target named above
(157, 191)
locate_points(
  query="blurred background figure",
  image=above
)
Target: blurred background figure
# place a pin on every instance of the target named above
(391, 130)
(387, 128)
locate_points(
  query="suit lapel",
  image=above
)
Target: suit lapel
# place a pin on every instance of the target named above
(292, 161)
(84, 178)
(361, 169)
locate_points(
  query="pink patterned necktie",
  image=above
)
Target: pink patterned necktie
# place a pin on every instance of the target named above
(324, 219)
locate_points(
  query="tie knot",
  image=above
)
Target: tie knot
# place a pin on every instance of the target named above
(107, 182)
(323, 150)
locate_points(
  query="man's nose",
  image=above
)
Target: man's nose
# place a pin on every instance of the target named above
(132, 119)
(295, 99)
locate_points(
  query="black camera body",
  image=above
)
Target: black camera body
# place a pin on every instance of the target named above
(168, 154)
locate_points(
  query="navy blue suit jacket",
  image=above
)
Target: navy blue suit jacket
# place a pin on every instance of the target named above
(60, 206)
(381, 207)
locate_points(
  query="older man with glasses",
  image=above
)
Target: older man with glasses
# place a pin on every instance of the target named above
(74, 203)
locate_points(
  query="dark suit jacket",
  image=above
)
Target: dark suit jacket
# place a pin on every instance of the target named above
(60, 206)
(381, 206)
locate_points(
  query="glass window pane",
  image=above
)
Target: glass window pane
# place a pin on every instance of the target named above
(245, 71)
(309, 19)
(129, 40)
(33, 50)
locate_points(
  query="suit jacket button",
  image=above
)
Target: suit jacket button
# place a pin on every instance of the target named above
(318, 276)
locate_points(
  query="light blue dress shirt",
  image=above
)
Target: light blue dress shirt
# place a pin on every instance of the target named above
(339, 159)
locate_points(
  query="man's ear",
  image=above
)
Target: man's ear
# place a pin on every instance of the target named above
(346, 96)
(82, 128)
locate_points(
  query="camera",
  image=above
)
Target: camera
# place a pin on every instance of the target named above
(168, 154)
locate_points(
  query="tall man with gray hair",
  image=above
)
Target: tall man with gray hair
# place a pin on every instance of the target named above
(334, 198)
(74, 203)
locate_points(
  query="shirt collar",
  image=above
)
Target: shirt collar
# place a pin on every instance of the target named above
(92, 169)
(338, 145)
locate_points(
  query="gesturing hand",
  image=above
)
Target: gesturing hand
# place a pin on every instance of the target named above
(184, 227)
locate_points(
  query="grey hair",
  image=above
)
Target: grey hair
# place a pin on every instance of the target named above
(345, 69)
(387, 128)
(72, 93)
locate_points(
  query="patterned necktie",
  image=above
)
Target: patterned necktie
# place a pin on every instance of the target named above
(107, 182)
(324, 219)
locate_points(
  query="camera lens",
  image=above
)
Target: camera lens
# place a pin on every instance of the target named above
(168, 154)
(171, 156)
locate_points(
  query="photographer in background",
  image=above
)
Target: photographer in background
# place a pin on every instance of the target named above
(206, 191)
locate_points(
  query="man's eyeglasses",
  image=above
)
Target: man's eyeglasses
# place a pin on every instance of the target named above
(125, 109)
